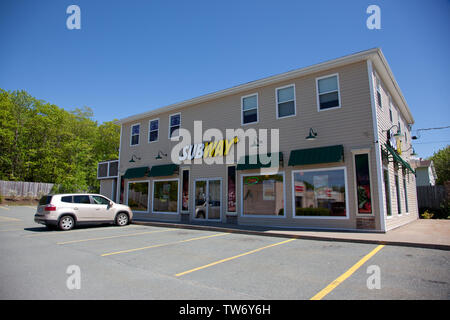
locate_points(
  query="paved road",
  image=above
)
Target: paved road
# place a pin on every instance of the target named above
(144, 262)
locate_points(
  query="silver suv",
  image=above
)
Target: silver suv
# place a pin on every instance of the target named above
(67, 210)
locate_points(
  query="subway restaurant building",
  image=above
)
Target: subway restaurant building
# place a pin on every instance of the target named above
(322, 147)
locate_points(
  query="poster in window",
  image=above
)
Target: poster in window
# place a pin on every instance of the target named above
(268, 190)
(232, 189)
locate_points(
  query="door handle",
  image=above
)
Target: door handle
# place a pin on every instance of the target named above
(75, 208)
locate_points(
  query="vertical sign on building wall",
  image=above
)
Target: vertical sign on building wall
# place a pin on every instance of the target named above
(185, 191)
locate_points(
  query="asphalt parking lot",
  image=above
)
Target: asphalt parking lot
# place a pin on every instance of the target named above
(147, 262)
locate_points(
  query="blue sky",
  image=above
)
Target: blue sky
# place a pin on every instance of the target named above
(133, 56)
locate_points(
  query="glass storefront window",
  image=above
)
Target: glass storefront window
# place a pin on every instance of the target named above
(363, 183)
(263, 195)
(165, 196)
(320, 193)
(185, 191)
(138, 196)
(231, 188)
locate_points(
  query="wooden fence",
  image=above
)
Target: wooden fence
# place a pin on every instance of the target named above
(24, 189)
(430, 196)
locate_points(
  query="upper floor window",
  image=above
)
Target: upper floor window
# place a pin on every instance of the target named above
(249, 109)
(135, 134)
(379, 93)
(153, 130)
(328, 92)
(174, 125)
(285, 101)
(390, 109)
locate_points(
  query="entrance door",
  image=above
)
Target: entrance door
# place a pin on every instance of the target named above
(208, 195)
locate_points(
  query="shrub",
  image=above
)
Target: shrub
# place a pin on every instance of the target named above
(427, 215)
(312, 212)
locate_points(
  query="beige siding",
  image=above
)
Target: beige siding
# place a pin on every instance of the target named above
(351, 125)
(384, 123)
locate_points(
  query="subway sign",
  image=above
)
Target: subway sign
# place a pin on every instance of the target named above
(208, 149)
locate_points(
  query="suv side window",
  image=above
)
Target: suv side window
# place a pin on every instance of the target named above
(100, 200)
(81, 199)
(67, 199)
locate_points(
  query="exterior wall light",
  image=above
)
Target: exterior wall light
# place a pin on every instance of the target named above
(312, 134)
(134, 157)
(159, 157)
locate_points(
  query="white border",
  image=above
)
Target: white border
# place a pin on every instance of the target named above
(148, 138)
(207, 210)
(355, 153)
(170, 116)
(148, 198)
(317, 92)
(178, 196)
(131, 134)
(379, 165)
(242, 109)
(277, 103)
(109, 163)
(241, 214)
(347, 213)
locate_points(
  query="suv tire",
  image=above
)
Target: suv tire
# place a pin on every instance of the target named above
(66, 223)
(122, 219)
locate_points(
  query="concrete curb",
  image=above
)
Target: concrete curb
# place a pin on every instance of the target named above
(241, 230)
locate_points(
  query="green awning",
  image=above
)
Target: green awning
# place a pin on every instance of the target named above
(163, 170)
(397, 158)
(135, 172)
(250, 162)
(317, 155)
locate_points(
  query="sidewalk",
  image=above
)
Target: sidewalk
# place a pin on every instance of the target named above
(422, 233)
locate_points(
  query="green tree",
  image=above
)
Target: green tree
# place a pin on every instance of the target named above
(441, 161)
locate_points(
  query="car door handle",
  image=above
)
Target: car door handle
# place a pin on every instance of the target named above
(97, 209)
(75, 208)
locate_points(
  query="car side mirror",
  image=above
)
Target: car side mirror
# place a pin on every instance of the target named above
(110, 204)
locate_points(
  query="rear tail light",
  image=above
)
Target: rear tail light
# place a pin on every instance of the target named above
(50, 207)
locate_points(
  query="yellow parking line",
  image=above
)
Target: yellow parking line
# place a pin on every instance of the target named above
(346, 274)
(112, 237)
(164, 244)
(234, 257)
(8, 219)
(2, 207)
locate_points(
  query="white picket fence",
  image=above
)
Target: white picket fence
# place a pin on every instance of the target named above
(24, 189)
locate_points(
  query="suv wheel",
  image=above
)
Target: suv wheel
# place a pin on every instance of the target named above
(122, 219)
(66, 223)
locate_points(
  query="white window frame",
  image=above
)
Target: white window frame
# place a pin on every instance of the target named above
(170, 117)
(277, 102)
(148, 198)
(178, 196)
(347, 213)
(241, 211)
(391, 115)
(386, 167)
(354, 153)
(318, 94)
(378, 89)
(405, 192)
(131, 134)
(149, 130)
(257, 109)
(107, 170)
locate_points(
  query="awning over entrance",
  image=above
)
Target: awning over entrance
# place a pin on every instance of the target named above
(132, 173)
(317, 155)
(250, 162)
(163, 170)
(397, 158)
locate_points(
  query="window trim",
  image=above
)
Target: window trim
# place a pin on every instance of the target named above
(170, 116)
(131, 134)
(388, 188)
(318, 94)
(405, 193)
(347, 212)
(149, 130)
(277, 103)
(378, 89)
(178, 196)
(148, 198)
(354, 153)
(398, 193)
(241, 211)
(257, 109)
(108, 176)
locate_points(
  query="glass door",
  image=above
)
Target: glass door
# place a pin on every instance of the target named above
(208, 195)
